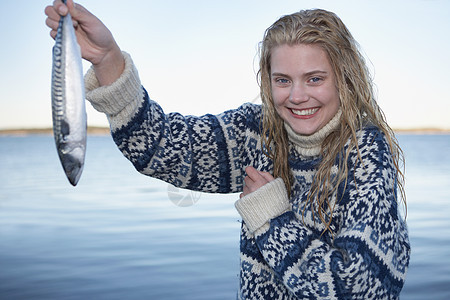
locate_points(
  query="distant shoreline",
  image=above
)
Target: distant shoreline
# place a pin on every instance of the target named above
(106, 131)
(48, 131)
(422, 131)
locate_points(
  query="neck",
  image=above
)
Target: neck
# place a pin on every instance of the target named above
(310, 145)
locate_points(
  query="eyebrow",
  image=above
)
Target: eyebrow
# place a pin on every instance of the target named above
(278, 74)
(306, 74)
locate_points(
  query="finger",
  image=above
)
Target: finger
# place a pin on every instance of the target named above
(51, 23)
(53, 34)
(78, 12)
(267, 176)
(70, 4)
(51, 13)
(60, 7)
(252, 173)
(246, 190)
(248, 181)
(73, 8)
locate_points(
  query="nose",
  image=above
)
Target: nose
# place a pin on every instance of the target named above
(298, 94)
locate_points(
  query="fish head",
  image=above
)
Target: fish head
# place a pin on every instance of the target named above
(72, 160)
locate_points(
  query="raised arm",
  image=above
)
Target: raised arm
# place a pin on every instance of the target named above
(204, 153)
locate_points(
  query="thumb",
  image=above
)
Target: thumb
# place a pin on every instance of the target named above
(71, 7)
(77, 11)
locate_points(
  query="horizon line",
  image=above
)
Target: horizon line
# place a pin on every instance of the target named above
(106, 130)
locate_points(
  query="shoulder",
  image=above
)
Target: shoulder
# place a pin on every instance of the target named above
(372, 161)
(371, 189)
(372, 144)
(247, 110)
(370, 135)
(248, 115)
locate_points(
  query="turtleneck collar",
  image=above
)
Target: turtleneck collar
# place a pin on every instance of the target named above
(310, 145)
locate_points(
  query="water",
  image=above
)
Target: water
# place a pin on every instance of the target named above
(119, 235)
(428, 195)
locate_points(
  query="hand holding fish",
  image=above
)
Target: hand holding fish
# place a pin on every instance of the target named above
(96, 41)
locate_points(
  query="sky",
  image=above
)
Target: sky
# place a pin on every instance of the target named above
(200, 56)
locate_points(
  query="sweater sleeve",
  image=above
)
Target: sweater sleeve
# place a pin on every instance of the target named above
(121, 100)
(369, 255)
(264, 204)
(203, 153)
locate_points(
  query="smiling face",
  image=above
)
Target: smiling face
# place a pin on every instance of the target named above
(303, 87)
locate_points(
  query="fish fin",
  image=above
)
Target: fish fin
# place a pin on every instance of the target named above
(65, 128)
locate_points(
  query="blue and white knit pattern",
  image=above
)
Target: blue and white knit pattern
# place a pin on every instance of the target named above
(369, 255)
(289, 257)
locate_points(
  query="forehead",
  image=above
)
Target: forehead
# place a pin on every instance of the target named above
(301, 58)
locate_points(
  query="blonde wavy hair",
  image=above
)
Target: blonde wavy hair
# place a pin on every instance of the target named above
(358, 105)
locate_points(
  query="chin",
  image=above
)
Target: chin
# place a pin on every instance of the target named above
(306, 132)
(304, 129)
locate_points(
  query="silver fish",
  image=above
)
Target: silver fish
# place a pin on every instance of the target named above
(68, 101)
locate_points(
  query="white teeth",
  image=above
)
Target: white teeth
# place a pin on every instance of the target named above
(305, 112)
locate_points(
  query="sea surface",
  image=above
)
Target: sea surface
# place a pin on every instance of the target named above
(121, 235)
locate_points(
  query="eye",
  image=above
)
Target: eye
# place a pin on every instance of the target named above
(281, 81)
(315, 79)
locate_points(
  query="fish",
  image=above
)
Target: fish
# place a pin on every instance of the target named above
(68, 101)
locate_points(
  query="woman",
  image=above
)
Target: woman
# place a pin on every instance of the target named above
(317, 166)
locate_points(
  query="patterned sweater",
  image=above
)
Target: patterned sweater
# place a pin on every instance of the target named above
(284, 254)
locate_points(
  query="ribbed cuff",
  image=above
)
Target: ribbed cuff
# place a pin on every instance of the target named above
(264, 204)
(121, 97)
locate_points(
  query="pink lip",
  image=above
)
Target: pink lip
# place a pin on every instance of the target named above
(307, 116)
